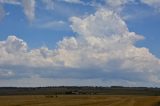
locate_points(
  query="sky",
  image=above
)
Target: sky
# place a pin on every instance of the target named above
(79, 43)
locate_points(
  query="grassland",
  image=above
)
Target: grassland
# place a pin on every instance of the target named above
(79, 100)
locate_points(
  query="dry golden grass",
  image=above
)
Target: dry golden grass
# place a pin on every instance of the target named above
(79, 100)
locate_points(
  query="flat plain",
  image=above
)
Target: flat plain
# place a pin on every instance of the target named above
(79, 100)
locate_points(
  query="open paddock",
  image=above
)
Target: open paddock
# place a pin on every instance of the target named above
(79, 100)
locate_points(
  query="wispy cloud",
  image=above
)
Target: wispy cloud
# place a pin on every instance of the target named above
(29, 9)
(2, 12)
(28, 6)
(49, 4)
(14, 2)
(153, 3)
(52, 25)
(72, 1)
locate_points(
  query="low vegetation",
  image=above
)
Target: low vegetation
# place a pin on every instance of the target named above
(73, 90)
(157, 103)
(79, 100)
(80, 96)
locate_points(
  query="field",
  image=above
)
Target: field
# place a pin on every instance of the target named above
(79, 100)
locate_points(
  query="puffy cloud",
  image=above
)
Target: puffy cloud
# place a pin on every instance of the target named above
(93, 25)
(11, 49)
(106, 39)
(14, 44)
(103, 49)
(29, 9)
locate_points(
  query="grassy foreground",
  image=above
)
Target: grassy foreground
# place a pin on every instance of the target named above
(79, 100)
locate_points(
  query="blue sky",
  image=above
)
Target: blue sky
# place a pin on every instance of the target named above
(79, 42)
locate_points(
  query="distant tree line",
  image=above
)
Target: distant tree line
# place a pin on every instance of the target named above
(80, 90)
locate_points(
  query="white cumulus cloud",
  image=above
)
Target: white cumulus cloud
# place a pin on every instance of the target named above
(103, 49)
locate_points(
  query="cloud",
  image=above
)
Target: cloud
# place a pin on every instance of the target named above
(14, 2)
(103, 50)
(117, 5)
(73, 1)
(152, 3)
(2, 12)
(49, 4)
(29, 9)
(52, 25)
(28, 6)
(4, 74)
